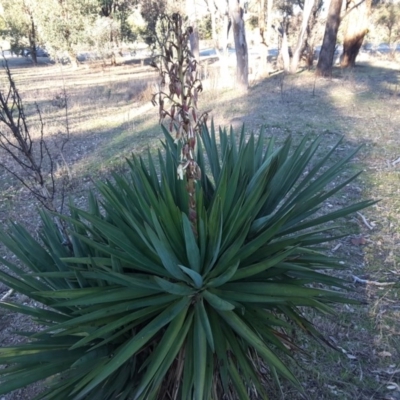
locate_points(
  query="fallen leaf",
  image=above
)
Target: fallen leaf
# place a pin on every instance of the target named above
(392, 386)
(333, 339)
(385, 354)
(358, 241)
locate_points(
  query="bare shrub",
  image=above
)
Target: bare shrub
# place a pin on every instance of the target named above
(28, 159)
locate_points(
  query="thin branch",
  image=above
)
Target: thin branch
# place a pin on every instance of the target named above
(66, 117)
(356, 279)
(25, 166)
(8, 294)
(26, 183)
(352, 8)
(396, 162)
(367, 224)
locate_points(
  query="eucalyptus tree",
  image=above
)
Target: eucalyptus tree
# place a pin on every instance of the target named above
(65, 26)
(264, 29)
(151, 10)
(119, 11)
(356, 23)
(296, 28)
(308, 6)
(19, 26)
(325, 61)
(387, 16)
(239, 34)
(191, 12)
(227, 17)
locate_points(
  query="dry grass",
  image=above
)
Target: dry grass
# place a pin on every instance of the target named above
(110, 117)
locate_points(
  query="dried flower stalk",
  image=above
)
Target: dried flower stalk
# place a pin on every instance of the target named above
(178, 96)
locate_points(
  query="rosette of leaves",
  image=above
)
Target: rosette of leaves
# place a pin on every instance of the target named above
(143, 305)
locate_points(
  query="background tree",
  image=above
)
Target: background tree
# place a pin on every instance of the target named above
(239, 34)
(268, 24)
(264, 36)
(308, 6)
(111, 28)
(212, 9)
(19, 26)
(281, 26)
(221, 24)
(356, 27)
(264, 26)
(387, 16)
(106, 38)
(296, 29)
(68, 27)
(191, 12)
(325, 61)
(151, 10)
(312, 32)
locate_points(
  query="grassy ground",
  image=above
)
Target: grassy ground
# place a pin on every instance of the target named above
(110, 116)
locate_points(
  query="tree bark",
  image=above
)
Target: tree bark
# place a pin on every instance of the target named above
(194, 43)
(221, 10)
(284, 57)
(32, 36)
(355, 30)
(270, 4)
(263, 46)
(239, 35)
(194, 37)
(214, 34)
(307, 9)
(73, 59)
(325, 61)
(309, 42)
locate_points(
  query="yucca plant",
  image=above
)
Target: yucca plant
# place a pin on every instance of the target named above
(143, 305)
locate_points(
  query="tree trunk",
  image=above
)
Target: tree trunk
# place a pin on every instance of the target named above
(33, 53)
(309, 42)
(221, 41)
(268, 26)
(32, 40)
(355, 30)
(194, 37)
(307, 9)
(263, 46)
(239, 35)
(325, 61)
(284, 56)
(214, 34)
(194, 42)
(72, 58)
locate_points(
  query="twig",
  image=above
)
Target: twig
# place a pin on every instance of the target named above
(361, 373)
(396, 162)
(336, 247)
(367, 224)
(8, 294)
(356, 279)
